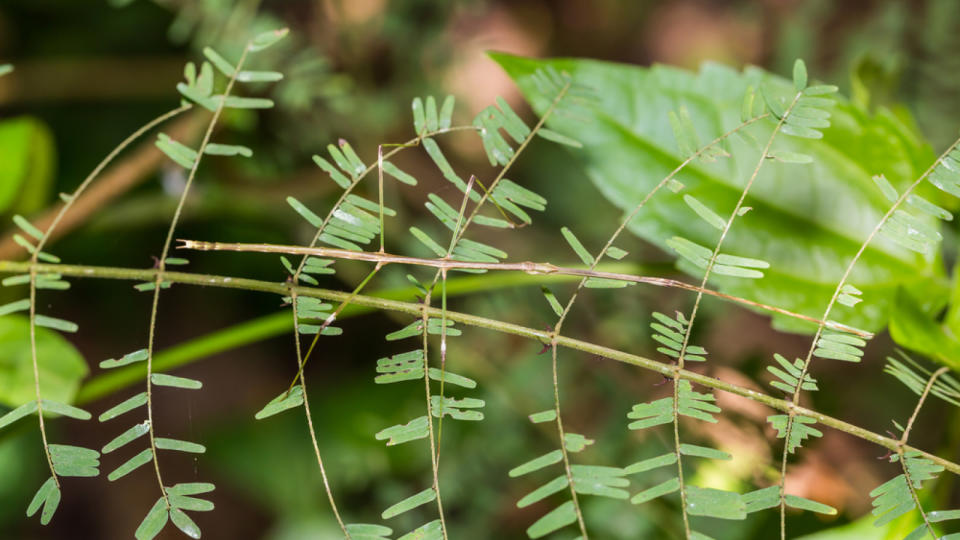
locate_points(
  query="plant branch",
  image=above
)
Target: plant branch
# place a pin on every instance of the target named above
(49, 229)
(415, 309)
(532, 268)
(161, 266)
(903, 442)
(826, 315)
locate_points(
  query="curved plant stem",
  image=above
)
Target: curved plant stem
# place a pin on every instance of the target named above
(700, 291)
(416, 309)
(313, 432)
(903, 442)
(795, 399)
(301, 359)
(458, 232)
(531, 268)
(36, 373)
(696, 305)
(41, 243)
(434, 456)
(280, 323)
(161, 267)
(637, 279)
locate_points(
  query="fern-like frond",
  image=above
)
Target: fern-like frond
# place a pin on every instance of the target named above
(800, 430)
(809, 111)
(914, 376)
(724, 264)
(789, 376)
(670, 333)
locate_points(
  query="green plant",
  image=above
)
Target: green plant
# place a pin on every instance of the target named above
(773, 142)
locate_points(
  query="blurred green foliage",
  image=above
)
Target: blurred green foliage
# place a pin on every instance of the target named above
(352, 75)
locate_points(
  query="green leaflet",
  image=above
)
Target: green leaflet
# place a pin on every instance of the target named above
(599, 480)
(410, 503)
(162, 379)
(64, 409)
(129, 358)
(946, 387)
(192, 504)
(74, 460)
(651, 414)
(184, 523)
(281, 403)
(154, 521)
(490, 121)
(659, 490)
(696, 404)
(124, 406)
(800, 503)
(400, 367)
(180, 154)
(451, 378)
(552, 300)
(789, 376)
(179, 446)
(543, 416)
(47, 496)
(652, 463)
(458, 409)
(704, 212)
(800, 430)
(131, 465)
(55, 323)
(267, 39)
(807, 221)
(535, 464)
(669, 333)
(428, 531)
(367, 531)
(577, 247)
(190, 488)
(395, 172)
(715, 503)
(557, 518)
(215, 149)
(762, 499)
(24, 410)
(556, 485)
(136, 431)
(704, 452)
(27, 227)
(575, 442)
(401, 433)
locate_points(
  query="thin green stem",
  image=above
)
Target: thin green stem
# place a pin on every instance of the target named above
(42, 242)
(161, 267)
(281, 323)
(696, 304)
(434, 457)
(533, 268)
(36, 374)
(313, 433)
(795, 399)
(903, 442)
(416, 309)
(701, 290)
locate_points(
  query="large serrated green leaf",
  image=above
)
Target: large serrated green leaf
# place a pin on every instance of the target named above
(807, 222)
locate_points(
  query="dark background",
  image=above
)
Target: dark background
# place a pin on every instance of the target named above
(92, 72)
